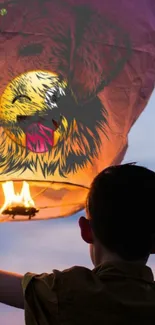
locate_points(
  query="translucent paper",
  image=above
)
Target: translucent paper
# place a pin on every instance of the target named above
(74, 79)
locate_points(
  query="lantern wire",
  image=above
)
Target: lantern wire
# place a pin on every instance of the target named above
(42, 191)
(56, 206)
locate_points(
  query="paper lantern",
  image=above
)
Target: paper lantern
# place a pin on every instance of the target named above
(75, 76)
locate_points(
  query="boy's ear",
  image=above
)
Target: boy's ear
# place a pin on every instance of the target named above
(86, 232)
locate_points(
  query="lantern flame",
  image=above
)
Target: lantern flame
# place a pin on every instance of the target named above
(19, 200)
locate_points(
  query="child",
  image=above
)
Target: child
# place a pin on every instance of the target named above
(119, 229)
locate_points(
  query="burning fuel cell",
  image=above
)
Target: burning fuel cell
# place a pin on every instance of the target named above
(18, 204)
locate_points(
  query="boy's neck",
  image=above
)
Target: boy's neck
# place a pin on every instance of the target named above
(109, 257)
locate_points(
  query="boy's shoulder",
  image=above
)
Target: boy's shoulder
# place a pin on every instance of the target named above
(76, 278)
(74, 270)
(74, 273)
(73, 276)
(65, 284)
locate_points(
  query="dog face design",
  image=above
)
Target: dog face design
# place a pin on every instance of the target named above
(50, 112)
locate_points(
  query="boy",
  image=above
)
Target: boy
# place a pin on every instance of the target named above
(119, 228)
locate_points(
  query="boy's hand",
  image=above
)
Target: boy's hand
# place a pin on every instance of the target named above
(11, 292)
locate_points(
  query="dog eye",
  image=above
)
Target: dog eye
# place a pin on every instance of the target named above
(53, 95)
(19, 97)
(31, 49)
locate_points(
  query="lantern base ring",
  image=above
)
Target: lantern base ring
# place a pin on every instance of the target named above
(20, 211)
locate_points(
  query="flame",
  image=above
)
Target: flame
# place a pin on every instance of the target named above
(20, 199)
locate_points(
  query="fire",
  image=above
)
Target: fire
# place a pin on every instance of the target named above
(20, 203)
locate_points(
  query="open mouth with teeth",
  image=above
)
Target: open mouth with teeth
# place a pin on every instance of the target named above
(39, 135)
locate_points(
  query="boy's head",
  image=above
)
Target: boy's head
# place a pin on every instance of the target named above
(121, 213)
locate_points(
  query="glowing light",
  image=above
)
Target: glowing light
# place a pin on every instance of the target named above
(22, 199)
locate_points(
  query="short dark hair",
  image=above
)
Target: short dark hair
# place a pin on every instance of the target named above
(121, 206)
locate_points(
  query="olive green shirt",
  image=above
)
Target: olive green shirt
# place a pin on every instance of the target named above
(111, 294)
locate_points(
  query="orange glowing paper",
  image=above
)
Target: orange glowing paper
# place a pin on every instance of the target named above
(72, 85)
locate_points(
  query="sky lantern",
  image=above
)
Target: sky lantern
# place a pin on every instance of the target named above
(75, 76)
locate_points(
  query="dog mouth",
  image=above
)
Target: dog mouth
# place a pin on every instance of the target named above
(39, 134)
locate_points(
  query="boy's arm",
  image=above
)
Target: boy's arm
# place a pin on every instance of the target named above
(11, 292)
